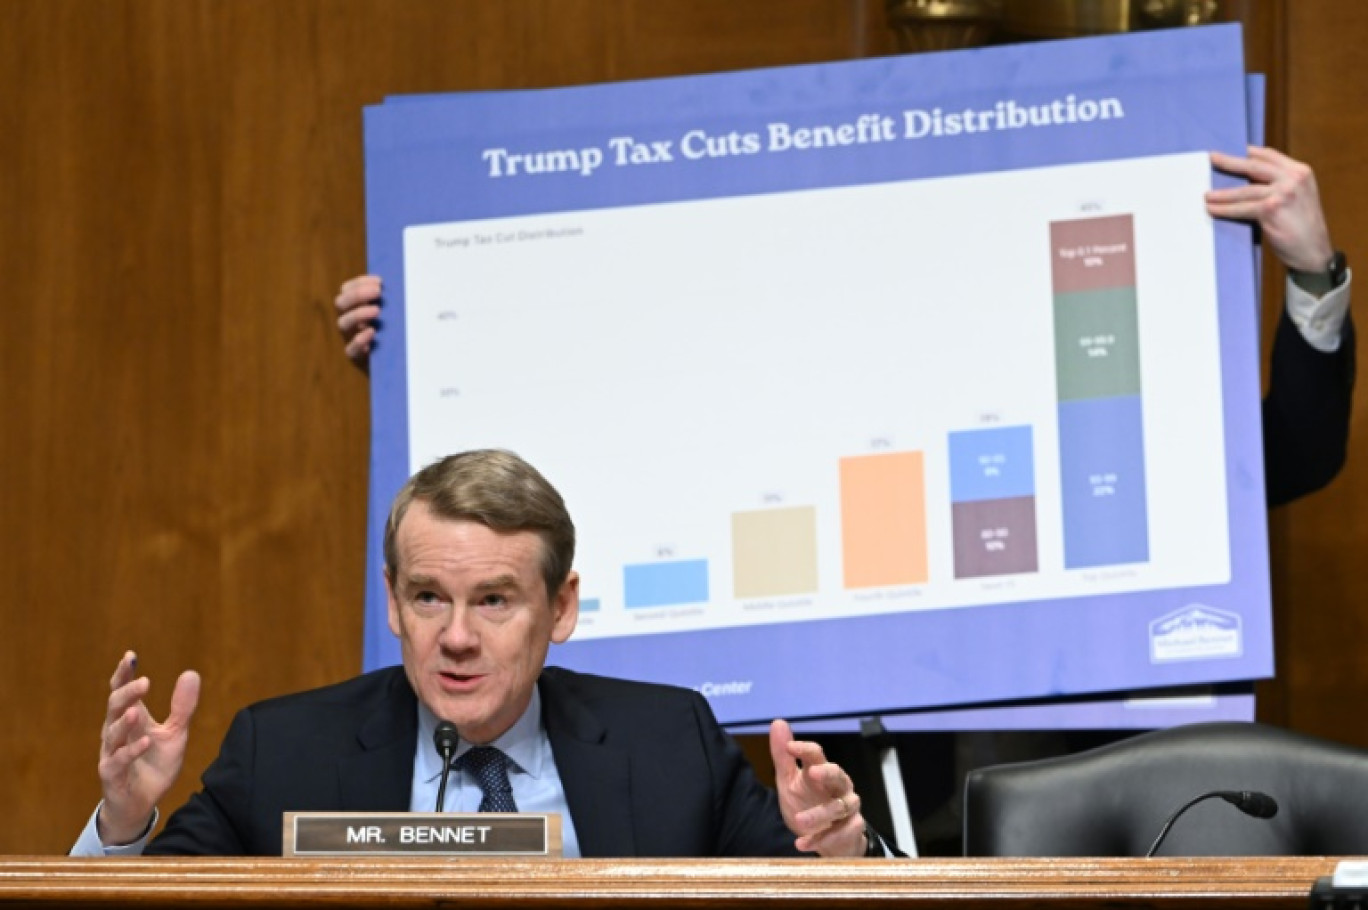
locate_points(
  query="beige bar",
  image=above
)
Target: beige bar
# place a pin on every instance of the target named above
(774, 552)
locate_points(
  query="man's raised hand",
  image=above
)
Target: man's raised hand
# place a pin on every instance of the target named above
(140, 758)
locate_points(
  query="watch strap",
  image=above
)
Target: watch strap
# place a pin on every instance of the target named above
(1320, 283)
(1338, 269)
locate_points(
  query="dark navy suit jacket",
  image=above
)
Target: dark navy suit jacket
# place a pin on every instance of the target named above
(647, 770)
(1306, 413)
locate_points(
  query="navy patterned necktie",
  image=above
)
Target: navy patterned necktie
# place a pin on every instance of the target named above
(489, 767)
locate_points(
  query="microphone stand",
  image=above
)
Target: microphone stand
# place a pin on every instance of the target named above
(1250, 802)
(445, 739)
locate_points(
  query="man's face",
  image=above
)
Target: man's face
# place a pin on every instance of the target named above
(473, 618)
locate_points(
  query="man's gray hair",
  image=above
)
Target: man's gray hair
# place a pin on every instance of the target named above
(499, 490)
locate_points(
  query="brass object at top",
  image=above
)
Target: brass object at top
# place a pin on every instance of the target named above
(923, 25)
(941, 25)
(1065, 18)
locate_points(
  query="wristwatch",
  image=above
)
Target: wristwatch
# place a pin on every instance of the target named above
(874, 848)
(1320, 283)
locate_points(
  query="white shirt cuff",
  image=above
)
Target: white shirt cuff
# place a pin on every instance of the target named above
(1319, 319)
(89, 844)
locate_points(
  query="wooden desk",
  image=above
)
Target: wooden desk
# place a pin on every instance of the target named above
(1010, 884)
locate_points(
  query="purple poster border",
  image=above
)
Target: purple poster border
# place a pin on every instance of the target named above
(1182, 90)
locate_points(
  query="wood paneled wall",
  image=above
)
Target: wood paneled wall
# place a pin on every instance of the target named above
(183, 450)
(1320, 586)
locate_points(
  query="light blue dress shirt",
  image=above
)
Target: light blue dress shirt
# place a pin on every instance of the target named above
(532, 772)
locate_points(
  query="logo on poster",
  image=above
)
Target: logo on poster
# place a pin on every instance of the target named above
(1195, 632)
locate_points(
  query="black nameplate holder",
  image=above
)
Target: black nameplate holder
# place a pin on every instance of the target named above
(411, 834)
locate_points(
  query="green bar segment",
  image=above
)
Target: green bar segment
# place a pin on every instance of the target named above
(1097, 344)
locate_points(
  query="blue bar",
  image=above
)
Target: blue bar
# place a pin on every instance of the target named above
(995, 463)
(589, 604)
(1102, 482)
(662, 584)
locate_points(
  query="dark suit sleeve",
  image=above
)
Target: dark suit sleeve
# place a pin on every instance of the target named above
(751, 822)
(211, 823)
(648, 772)
(1306, 413)
(747, 812)
(343, 747)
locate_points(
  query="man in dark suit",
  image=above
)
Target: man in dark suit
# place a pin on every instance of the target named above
(478, 553)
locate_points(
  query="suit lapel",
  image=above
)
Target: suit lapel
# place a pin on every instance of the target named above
(379, 778)
(595, 775)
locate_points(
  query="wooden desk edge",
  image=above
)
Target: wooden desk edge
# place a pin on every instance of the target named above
(401, 882)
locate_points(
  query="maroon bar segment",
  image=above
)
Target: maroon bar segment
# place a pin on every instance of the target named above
(994, 536)
(1093, 253)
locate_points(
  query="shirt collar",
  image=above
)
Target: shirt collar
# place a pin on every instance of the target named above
(524, 743)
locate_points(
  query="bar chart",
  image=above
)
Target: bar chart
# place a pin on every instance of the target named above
(1097, 361)
(832, 403)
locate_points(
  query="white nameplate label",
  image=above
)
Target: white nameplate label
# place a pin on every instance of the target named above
(421, 834)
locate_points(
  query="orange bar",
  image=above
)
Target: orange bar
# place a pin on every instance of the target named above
(883, 519)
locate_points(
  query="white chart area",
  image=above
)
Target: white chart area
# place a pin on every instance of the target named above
(669, 367)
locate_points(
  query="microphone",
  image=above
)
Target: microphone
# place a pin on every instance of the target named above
(445, 738)
(1250, 802)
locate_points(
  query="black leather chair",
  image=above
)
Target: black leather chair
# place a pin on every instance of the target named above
(1114, 800)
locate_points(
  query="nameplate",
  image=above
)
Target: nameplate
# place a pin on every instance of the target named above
(421, 834)
(1351, 873)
